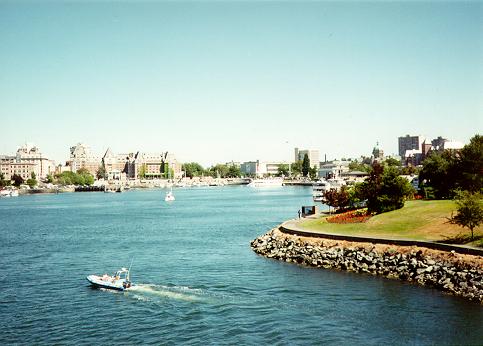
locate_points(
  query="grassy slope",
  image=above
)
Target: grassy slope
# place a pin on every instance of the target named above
(423, 220)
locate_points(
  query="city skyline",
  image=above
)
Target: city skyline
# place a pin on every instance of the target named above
(215, 82)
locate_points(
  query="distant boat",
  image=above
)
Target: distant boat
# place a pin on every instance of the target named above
(268, 182)
(169, 196)
(119, 281)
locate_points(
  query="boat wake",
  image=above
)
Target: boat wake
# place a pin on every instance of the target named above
(147, 292)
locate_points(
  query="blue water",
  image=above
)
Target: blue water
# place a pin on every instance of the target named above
(198, 280)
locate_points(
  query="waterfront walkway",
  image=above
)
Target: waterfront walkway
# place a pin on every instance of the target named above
(293, 227)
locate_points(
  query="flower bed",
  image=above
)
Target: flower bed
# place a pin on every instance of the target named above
(353, 216)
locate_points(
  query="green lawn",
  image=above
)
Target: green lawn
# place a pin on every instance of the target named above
(422, 220)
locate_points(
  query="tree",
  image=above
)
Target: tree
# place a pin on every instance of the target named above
(296, 168)
(371, 188)
(355, 195)
(338, 199)
(356, 166)
(384, 190)
(192, 169)
(233, 172)
(283, 170)
(50, 178)
(83, 177)
(469, 210)
(17, 180)
(3, 181)
(305, 165)
(218, 170)
(313, 173)
(394, 190)
(409, 170)
(436, 172)
(390, 161)
(469, 164)
(32, 181)
(101, 172)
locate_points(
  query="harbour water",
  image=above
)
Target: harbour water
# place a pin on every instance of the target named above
(198, 280)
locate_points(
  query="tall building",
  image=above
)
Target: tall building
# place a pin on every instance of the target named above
(409, 143)
(27, 160)
(312, 154)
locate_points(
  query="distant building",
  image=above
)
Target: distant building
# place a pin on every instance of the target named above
(377, 153)
(27, 160)
(313, 156)
(437, 144)
(453, 145)
(153, 166)
(334, 168)
(260, 169)
(82, 157)
(416, 156)
(115, 165)
(9, 166)
(409, 143)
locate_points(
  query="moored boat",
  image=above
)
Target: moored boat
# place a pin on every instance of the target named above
(324, 185)
(268, 182)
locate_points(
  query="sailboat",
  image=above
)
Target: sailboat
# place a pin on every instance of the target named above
(169, 195)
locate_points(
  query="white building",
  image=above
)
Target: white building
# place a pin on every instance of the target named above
(312, 154)
(333, 168)
(260, 169)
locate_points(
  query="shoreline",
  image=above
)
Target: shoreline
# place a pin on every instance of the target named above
(453, 273)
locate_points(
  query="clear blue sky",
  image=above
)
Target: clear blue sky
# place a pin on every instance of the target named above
(220, 81)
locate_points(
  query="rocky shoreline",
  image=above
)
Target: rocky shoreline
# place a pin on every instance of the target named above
(461, 275)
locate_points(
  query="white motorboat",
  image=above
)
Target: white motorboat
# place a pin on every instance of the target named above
(169, 196)
(269, 182)
(119, 281)
(323, 185)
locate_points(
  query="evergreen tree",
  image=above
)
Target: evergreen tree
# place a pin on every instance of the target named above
(305, 165)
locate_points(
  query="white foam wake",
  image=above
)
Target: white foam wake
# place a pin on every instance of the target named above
(175, 292)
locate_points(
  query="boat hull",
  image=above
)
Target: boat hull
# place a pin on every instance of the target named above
(119, 285)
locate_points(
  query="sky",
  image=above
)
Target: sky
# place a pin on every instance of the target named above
(220, 81)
